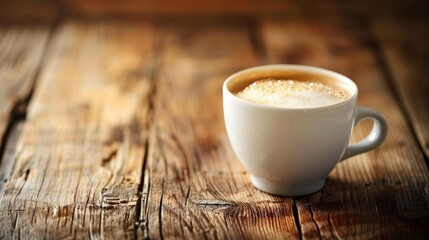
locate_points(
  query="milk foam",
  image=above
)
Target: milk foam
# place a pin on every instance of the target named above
(291, 94)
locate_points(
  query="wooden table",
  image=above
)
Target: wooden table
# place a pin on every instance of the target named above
(112, 128)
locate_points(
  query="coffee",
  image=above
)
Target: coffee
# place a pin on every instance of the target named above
(291, 148)
(290, 93)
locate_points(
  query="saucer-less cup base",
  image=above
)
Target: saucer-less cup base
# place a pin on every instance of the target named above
(283, 189)
(291, 151)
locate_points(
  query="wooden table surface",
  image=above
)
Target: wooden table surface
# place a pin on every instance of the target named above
(112, 128)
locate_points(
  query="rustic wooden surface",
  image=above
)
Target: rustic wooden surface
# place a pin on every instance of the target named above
(407, 53)
(113, 128)
(361, 183)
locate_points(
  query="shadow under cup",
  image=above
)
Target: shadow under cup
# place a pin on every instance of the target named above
(288, 151)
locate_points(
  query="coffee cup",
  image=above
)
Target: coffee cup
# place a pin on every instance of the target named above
(290, 150)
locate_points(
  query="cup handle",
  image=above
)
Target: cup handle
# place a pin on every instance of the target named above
(375, 137)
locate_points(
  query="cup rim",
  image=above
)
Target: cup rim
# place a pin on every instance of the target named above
(312, 69)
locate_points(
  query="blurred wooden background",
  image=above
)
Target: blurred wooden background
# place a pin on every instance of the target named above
(48, 9)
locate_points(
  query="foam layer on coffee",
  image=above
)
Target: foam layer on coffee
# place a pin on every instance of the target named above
(291, 94)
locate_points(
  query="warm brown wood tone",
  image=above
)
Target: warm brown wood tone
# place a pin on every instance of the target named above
(405, 47)
(113, 129)
(28, 10)
(194, 186)
(7, 163)
(25, 10)
(165, 7)
(79, 156)
(380, 194)
(21, 51)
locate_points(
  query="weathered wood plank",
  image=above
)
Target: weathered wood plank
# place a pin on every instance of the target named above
(380, 194)
(76, 164)
(194, 186)
(405, 47)
(21, 52)
(78, 161)
(7, 162)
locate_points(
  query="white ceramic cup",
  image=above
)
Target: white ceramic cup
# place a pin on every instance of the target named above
(291, 151)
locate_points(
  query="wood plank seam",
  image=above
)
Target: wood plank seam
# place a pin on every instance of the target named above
(140, 220)
(364, 194)
(388, 75)
(18, 113)
(259, 48)
(309, 219)
(188, 159)
(16, 116)
(19, 110)
(296, 218)
(103, 197)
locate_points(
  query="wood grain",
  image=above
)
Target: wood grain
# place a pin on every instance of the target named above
(78, 160)
(404, 46)
(379, 194)
(194, 186)
(22, 49)
(124, 135)
(6, 165)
